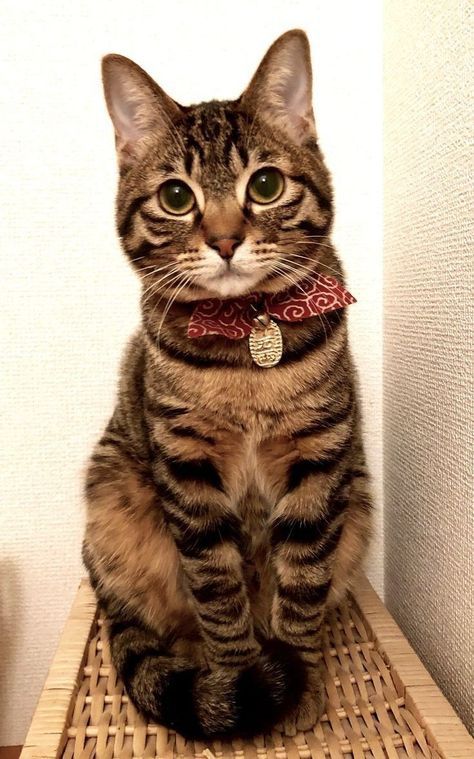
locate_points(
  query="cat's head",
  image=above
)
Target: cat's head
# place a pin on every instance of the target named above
(222, 198)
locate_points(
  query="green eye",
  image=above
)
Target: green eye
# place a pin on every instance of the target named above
(176, 197)
(265, 185)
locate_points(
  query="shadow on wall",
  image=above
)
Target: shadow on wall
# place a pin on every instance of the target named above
(11, 623)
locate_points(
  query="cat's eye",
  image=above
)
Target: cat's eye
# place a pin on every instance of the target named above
(176, 197)
(265, 186)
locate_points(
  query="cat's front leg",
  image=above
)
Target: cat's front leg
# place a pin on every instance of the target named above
(260, 684)
(207, 532)
(305, 532)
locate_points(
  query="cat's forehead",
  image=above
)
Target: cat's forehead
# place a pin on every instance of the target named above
(211, 128)
(221, 141)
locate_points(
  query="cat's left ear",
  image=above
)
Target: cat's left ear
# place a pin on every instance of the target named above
(281, 89)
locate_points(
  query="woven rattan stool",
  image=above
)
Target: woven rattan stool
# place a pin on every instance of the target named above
(381, 700)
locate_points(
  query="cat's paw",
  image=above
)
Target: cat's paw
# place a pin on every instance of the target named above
(271, 687)
(309, 710)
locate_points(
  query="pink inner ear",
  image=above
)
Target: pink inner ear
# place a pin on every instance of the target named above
(293, 99)
(296, 94)
(294, 87)
(125, 108)
(289, 93)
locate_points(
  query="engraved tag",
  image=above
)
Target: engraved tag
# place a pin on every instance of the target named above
(266, 345)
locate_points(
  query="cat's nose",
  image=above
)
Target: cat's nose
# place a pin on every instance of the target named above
(225, 246)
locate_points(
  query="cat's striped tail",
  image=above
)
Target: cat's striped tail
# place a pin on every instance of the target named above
(200, 703)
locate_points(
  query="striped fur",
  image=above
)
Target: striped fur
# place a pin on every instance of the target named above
(228, 505)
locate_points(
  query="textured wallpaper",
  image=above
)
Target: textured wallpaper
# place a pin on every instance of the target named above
(428, 386)
(69, 301)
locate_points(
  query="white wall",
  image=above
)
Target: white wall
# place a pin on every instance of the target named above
(69, 300)
(428, 387)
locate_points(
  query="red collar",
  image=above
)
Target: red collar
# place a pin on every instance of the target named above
(234, 318)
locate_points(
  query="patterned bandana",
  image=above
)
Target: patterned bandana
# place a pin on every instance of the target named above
(234, 318)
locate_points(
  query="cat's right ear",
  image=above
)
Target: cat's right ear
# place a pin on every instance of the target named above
(137, 106)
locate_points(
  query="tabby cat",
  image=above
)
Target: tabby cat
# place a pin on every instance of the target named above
(228, 504)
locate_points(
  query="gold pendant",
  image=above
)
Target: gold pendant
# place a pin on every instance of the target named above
(265, 342)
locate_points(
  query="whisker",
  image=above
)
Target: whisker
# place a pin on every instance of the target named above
(187, 280)
(316, 263)
(174, 270)
(288, 234)
(166, 289)
(324, 328)
(289, 260)
(276, 268)
(290, 266)
(155, 286)
(144, 268)
(314, 243)
(320, 316)
(156, 270)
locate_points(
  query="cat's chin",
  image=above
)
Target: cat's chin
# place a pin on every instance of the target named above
(231, 285)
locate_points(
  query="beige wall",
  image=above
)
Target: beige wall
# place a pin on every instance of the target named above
(68, 298)
(428, 388)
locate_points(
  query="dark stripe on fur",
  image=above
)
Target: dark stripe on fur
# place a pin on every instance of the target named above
(303, 531)
(291, 614)
(229, 654)
(323, 201)
(325, 421)
(165, 492)
(293, 202)
(118, 444)
(195, 359)
(166, 168)
(304, 468)
(152, 218)
(189, 162)
(196, 146)
(305, 594)
(319, 553)
(162, 410)
(193, 541)
(211, 619)
(231, 637)
(143, 250)
(194, 470)
(313, 229)
(314, 341)
(192, 433)
(102, 458)
(125, 225)
(215, 590)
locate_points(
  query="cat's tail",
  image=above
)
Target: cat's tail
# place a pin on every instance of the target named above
(200, 703)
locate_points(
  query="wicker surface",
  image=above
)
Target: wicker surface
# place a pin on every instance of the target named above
(381, 701)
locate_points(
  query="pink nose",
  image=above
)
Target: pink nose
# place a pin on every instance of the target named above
(225, 246)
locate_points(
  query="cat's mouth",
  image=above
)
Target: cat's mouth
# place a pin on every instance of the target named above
(231, 283)
(232, 277)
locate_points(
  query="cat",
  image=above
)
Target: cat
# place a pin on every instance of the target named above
(228, 505)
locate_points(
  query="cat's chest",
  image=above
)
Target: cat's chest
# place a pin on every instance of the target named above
(259, 459)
